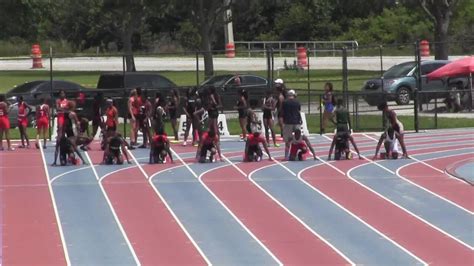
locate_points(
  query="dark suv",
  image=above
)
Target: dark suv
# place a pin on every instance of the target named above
(116, 85)
(227, 88)
(399, 83)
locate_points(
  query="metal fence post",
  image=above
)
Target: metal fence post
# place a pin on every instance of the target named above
(345, 85)
(197, 68)
(51, 119)
(308, 82)
(418, 84)
(320, 115)
(125, 97)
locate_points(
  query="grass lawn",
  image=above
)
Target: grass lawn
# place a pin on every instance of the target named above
(293, 79)
(366, 122)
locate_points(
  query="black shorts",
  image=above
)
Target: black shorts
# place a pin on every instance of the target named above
(267, 114)
(254, 149)
(213, 113)
(112, 128)
(242, 113)
(141, 120)
(280, 114)
(173, 114)
(96, 121)
(206, 148)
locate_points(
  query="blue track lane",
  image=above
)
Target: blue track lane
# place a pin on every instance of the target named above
(90, 231)
(220, 237)
(354, 239)
(434, 210)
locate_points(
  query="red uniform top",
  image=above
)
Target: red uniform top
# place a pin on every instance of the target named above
(160, 140)
(43, 111)
(62, 104)
(206, 140)
(22, 110)
(111, 113)
(136, 103)
(3, 110)
(252, 140)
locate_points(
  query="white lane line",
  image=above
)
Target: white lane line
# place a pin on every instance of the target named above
(299, 176)
(68, 172)
(402, 208)
(134, 255)
(429, 191)
(287, 210)
(397, 173)
(169, 209)
(55, 208)
(223, 205)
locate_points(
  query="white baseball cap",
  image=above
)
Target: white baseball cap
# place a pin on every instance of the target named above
(291, 93)
(278, 81)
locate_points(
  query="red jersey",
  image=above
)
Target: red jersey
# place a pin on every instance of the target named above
(252, 140)
(43, 111)
(111, 113)
(206, 140)
(63, 104)
(3, 109)
(22, 110)
(160, 140)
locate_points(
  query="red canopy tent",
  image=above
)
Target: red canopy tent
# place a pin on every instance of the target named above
(461, 67)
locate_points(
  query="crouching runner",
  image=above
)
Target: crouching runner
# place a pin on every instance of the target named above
(253, 151)
(390, 140)
(299, 145)
(66, 147)
(209, 143)
(115, 150)
(160, 147)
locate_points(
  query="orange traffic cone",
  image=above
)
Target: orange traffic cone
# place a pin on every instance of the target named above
(36, 55)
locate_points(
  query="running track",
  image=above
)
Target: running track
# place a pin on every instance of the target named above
(273, 212)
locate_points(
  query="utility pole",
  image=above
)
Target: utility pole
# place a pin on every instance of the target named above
(228, 28)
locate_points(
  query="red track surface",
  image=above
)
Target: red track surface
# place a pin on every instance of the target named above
(441, 183)
(30, 232)
(414, 235)
(283, 235)
(155, 235)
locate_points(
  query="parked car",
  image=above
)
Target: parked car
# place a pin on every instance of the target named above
(117, 86)
(34, 91)
(256, 87)
(399, 83)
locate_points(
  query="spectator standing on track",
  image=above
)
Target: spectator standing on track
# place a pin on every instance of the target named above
(133, 110)
(61, 110)
(299, 146)
(242, 108)
(23, 110)
(213, 103)
(281, 91)
(97, 113)
(158, 113)
(142, 118)
(253, 124)
(42, 122)
(4, 123)
(253, 151)
(189, 109)
(328, 102)
(202, 116)
(172, 110)
(268, 107)
(291, 118)
(83, 137)
(395, 124)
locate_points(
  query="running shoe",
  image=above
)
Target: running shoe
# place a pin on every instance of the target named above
(185, 143)
(276, 145)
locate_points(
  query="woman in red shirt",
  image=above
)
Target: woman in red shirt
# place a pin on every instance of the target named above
(23, 110)
(4, 123)
(61, 109)
(42, 122)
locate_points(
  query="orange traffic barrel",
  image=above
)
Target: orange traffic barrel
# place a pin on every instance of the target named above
(37, 56)
(424, 48)
(301, 56)
(230, 50)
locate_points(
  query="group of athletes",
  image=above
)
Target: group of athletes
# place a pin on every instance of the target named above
(201, 108)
